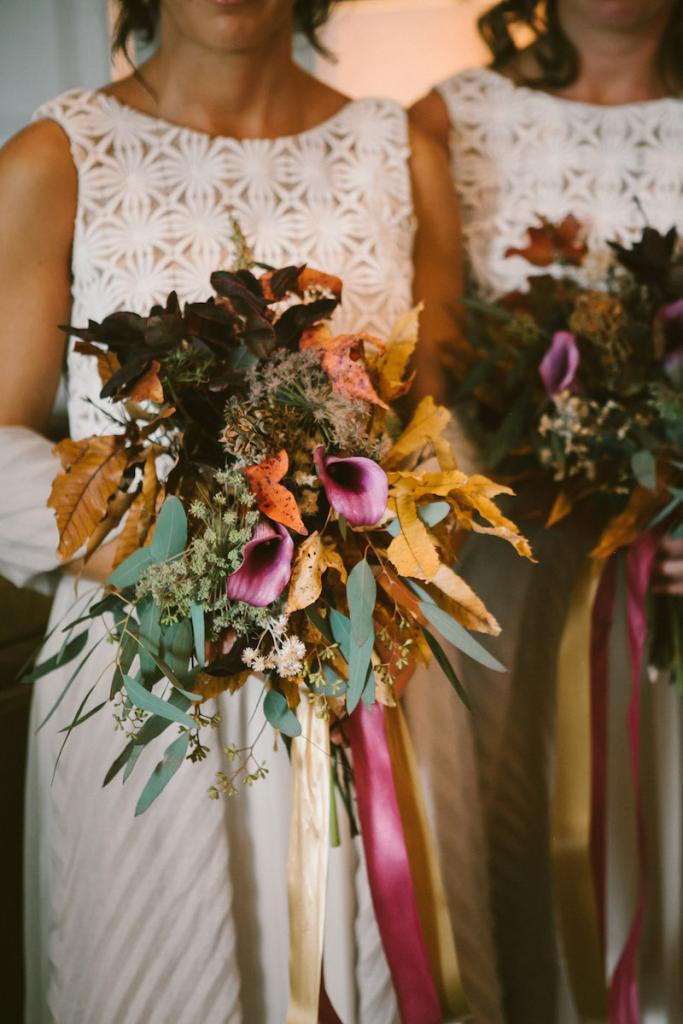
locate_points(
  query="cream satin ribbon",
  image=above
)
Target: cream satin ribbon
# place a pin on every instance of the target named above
(425, 869)
(309, 843)
(571, 810)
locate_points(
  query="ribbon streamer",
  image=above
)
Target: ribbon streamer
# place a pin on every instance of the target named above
(623, 994)
(391, 883)
(309, 841)
(571, 818)
(425, 868)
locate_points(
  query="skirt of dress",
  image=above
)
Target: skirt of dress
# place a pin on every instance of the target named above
(180, 914)
(513, 723)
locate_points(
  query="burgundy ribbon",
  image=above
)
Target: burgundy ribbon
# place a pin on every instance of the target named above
(623, 993)
(601, 625)
(326, 1011)
(391, 884)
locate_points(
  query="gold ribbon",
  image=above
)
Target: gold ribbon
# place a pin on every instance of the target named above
(424, 866)
(309, 842)
(571, 810)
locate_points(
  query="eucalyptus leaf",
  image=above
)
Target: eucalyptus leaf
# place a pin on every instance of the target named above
(280, 715)
(118, 763)
(319, 622)
(645, 469)
(446, 667)
(174, 755)
(198, 630)
(147, 701)
(69, 683)
(341, 631)
(129, 572)
(133, 760)
(368, 694)
(69, 650)
(149, 636)
(170, 535)
(176, 646)
(361, 594)
(452, 630)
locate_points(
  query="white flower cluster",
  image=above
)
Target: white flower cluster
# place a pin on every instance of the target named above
(286, 655)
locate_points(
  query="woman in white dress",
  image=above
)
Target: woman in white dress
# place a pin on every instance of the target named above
(108, 201)
(587, 119)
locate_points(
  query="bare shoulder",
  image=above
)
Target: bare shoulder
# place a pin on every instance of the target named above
(430, 115)
(429, 163)
(37, 176)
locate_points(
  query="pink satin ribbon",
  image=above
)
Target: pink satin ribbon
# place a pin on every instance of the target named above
(388, 867)
(623, 993)
(601, 626)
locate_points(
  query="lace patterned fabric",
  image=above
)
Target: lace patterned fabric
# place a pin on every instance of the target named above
(156, 205)
(518, 153)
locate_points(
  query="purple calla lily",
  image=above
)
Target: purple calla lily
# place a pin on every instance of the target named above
(356, 487)
(560, 363)
(674, 311)
(266, 566)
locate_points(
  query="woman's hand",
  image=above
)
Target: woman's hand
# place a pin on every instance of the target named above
(668, 572)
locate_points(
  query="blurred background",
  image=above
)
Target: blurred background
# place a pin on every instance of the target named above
(396, 48)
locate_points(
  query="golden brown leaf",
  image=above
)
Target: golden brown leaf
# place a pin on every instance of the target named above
(463, 604)
(412, 552)
(554, 243)
(141, 513)
(313, 557)
(148, 387)
(274, 500)
(212, 686)
(116, 509)
(290, 689)
(393, 363)
(642, 506)
(93, 469)
(427, 424)
(562, 506)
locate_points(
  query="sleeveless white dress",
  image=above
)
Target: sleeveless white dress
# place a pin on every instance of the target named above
(518, 153)
(181, 916)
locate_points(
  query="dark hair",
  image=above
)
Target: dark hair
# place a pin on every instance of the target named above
(555, 54)
(141, 17)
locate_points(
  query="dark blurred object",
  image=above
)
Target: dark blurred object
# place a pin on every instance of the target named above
(23, 618)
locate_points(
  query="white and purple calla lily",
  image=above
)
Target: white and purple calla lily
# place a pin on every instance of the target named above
(266, 566)
(357, 488)
(560, 363)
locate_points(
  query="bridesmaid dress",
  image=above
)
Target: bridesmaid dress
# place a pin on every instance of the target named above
(518, 153)
(181, 915)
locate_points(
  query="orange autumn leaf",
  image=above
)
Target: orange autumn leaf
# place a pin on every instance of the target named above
(349, 377)
(107, 361)
(141, 514)
(148, 387)
(553, 243)
(92, 472)
(274, 500)
(310, 279)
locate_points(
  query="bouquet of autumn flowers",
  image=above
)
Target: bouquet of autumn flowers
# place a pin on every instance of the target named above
(578, 389)
(274, 515)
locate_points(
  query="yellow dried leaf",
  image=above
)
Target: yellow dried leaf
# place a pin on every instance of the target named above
(116, 510)
(464, 605)
(562, 506)
(624, 528)
(412, 552)
(107, 365)
(393, 363)
(313, 557)
(148, 387)
(93, 469)
(290, 689)
(427, 424)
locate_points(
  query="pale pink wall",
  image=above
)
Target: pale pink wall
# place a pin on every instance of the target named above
(400, 48)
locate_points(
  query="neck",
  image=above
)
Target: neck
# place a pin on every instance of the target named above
(247, 93)
(617, 64)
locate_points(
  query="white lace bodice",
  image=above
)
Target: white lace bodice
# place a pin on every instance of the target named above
(517, 153)
(155, 204)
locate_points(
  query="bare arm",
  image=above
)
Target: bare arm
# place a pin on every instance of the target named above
(38, 197)
(438, 263)
(37, 209)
